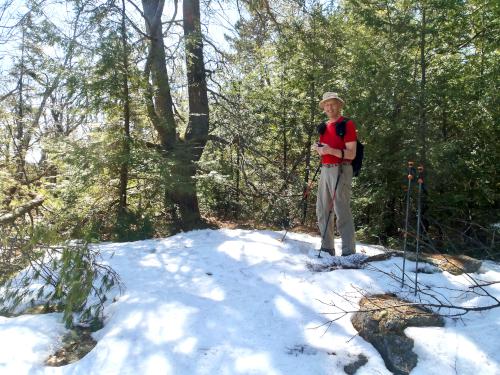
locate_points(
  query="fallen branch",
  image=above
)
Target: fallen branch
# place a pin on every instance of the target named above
(20, 211)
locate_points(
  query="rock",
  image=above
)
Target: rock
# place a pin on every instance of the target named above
(454, 264)
(382, 320)
(352, 367)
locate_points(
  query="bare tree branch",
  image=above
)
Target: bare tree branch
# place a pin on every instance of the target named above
(19, 211)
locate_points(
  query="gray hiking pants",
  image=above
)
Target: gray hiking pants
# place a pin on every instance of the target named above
(342, 214)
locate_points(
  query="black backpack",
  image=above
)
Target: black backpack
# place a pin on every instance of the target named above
(360, 148)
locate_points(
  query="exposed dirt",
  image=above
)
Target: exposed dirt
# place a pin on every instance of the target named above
(76, 344)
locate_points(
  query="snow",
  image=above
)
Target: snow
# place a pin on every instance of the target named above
(26, 341)
(242, 302)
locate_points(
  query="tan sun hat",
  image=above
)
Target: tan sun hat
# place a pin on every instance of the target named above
(329, 96)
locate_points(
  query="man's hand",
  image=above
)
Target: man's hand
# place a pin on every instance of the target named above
(318, 147)
(322, 149)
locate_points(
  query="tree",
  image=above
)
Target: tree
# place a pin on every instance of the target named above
(124, 170)
(180, 195)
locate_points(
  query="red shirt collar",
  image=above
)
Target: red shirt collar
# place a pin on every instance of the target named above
(334, 122)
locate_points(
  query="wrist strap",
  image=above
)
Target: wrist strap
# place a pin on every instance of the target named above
(342, 151)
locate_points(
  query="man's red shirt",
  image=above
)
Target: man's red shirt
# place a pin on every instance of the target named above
(331, 138)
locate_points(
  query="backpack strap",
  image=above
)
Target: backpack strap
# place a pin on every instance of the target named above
(321, 128)
(340, 127)
(340, 130)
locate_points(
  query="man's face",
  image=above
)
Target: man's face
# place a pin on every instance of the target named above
(332, 108)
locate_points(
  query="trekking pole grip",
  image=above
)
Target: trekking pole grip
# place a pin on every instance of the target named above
(411, 170)
(420, 178)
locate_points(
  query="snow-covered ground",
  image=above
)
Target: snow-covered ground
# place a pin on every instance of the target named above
(242, 302)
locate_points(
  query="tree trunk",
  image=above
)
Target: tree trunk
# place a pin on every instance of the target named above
(159, 98)
(422, 105)
(126, 119)
(180, 195)
(238, 163)
(309, 143)
(21, 134)
(284, 131)
(197, 129)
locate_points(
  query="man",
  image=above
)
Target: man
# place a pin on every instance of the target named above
(334, 190)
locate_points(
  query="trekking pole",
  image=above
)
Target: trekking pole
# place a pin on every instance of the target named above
(411, 175)
(305, 195)
(420, 181)
(331, 209)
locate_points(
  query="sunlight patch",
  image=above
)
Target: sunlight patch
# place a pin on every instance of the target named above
(215, 294)
(28, 339)
(254, 362)
(261, 238)
(186, 346)
(286, 308)
(172, 268)
(150, 261)
(252, 254)
(433, 345)
(206, 287)
(264, 253)
(167, 323)
(132, 321)
(185, 269)
(112, 353)
(157, 364)
(232, 248)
